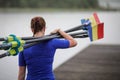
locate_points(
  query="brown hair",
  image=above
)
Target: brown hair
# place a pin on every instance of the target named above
(37, 24)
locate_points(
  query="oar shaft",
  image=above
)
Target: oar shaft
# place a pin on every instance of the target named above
(67, 31)
(52, 36)
(5, 46)
(45, 38)
(80, 27)
(4, 55)
(3, 39)
(74, 36)
(81, 36)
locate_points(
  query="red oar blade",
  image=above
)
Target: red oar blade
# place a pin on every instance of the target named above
(96, 32)
(95, 29)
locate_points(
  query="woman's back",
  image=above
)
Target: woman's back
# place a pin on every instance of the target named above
(39, 58)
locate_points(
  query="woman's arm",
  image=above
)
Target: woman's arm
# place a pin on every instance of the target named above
(72, 41)
(22, 71)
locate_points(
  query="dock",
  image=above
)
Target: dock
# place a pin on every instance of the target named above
(96, 62)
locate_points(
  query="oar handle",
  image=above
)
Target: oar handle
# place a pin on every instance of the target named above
(4, 55)
(5, 46)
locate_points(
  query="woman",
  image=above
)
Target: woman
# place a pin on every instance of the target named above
(39, 58)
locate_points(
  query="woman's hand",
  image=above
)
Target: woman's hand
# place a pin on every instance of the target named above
(72, 41)
(55, 31)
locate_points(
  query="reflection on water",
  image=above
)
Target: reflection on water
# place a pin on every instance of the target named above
(19, 24)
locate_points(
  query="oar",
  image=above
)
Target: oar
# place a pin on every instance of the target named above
(75, 36)
(30, 39)
(36, 41)
(8, 45)
(80, 27)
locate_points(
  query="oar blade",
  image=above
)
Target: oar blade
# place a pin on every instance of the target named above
(96, 32)
(95, 29)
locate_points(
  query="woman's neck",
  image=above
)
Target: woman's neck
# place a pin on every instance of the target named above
(39, 34)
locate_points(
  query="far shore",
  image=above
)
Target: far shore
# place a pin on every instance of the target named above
(52, 9)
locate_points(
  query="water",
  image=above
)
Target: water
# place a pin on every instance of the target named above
(19, 24)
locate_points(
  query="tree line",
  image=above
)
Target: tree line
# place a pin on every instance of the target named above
(49, 3)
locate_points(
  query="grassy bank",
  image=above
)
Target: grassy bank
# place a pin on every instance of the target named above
(47, 9)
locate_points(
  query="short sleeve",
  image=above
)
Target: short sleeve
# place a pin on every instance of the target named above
(60, 43)
(21, 59)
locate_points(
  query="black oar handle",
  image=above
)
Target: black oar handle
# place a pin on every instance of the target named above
(4, 55)
(5, 46)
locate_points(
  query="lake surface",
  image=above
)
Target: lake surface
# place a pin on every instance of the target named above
(18, 23)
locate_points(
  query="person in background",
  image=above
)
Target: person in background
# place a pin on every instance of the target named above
(38, 59)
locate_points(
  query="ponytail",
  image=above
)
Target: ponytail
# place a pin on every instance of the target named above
(37, 24)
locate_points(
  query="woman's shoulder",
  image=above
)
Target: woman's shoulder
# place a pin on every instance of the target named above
(55, 40)
(58, 41)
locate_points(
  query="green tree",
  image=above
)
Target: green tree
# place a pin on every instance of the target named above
(49, 3)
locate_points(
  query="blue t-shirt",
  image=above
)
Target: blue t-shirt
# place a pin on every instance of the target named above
(39, 59)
